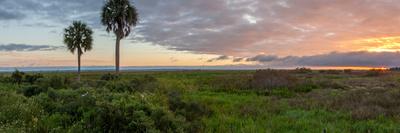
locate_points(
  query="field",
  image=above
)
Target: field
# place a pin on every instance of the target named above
(262, 101)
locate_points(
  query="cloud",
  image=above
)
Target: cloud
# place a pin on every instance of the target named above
(357, 59)
(7, 15)
(26, 47)
(237, 59)
(43, 25)
(173, 59)
(263, 58)
(246, 27)
(239, 28)
(219, 58)
(54, 11)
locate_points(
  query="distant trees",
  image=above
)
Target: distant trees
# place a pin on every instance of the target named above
(119, 16)
(78, 37)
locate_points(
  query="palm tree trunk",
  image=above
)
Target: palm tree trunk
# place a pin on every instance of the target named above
(79, 66)
(117, 44)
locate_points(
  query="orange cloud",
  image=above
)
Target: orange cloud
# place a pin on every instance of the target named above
(379, 44)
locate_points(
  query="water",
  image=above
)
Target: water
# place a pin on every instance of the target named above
(131, 68)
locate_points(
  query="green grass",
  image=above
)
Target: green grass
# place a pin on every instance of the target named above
(253, 113)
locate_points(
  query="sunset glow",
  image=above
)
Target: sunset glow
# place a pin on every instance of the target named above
(380, 44)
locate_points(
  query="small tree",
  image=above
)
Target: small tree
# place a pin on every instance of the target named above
(78, 37)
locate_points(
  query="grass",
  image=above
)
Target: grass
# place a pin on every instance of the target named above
(215, 101)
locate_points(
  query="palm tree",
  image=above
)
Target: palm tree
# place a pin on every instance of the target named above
(78, 37)
(119, 16)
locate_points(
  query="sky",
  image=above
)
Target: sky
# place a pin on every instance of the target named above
(270, 33)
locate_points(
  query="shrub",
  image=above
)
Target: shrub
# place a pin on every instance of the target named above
(96, 83)
(282, 92)
(166, 121)
(33, 78)
(305, 87)
(120, 86)
(4, 79)
(175, 101)
(394, 69)
(348, 71)
(17, 110)
(17, 77)
(32, 90)
(109, 77)
(330, 71)
(145, 83)
(81, 111)
(374, 72)
(330, 84)
(136, 84)
(110, 118)
(55, 82)
(226, 83)
(269, 79)
(148, 79)
(192, 111)
(303, 70)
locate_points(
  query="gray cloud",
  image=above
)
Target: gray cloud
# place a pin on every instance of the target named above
(263, 58)
(220, 58)
(237, 59)
(281, 27)
(234, 27)
(27, 48)
(55, 11)
(43, 25)
(361, 58)
(7, 15)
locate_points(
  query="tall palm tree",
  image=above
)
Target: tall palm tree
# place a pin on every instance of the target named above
(78, 37)
(119, 16)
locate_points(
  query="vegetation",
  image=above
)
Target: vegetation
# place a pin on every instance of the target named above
(119, 16)
(201, 101)
(78, 37)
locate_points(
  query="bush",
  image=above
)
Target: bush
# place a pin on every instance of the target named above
(303, 70)
(145, 83)
(192, 111)
(109, 77)
(32, 90)
(226, 83)
(375, 72)
(305, 87)
(330, 84)
(282, 92)
(330, 71)
(120, 86)
(33, 78)
(370, 104)
(6, 79)
(270, 79)
(55, 82)
(84, 111)
(348, 71)
(17, 77)
(18, 111)
(136, 84)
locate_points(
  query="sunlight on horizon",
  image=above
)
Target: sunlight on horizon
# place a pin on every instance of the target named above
(379, 44)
